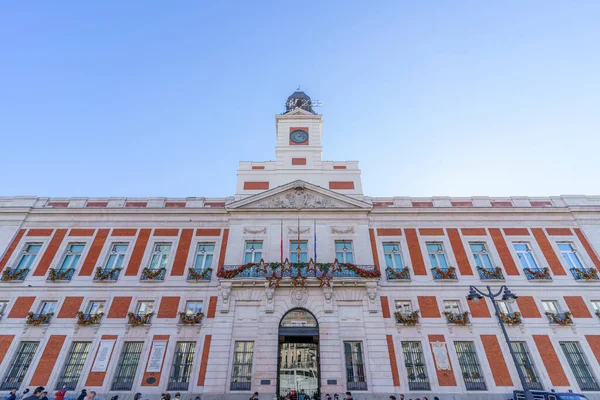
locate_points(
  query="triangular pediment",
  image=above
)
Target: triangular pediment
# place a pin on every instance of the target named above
(299, 195)
(299, 111)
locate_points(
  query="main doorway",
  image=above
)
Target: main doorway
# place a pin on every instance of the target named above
(298, 365)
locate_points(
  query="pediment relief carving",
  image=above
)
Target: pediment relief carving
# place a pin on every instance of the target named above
(299, 199)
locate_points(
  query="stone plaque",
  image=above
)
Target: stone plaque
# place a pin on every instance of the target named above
(441, 355)
(157, 354)
(103, 355)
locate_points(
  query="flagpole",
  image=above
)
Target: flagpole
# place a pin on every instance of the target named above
(281, 243)
(298, 249)
(315, 238)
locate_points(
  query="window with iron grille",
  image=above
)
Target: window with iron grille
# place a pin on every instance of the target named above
(355, 366)
(580, 367)
(416, 371)
(19, 366)
(127, 367)
(469, 366)
(526, 365)
(74, 365)
(181, 369)
(241, 375)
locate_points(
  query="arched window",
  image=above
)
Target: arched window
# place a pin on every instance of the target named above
(298, 318)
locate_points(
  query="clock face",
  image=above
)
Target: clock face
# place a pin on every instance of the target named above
(299, 136)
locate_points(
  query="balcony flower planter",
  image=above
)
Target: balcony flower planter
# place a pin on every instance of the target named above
(408, 319)
(513, 318)
(537, 274)
(199, 275)
(444, 274)
(190, 319)
(107, 274)
(398, 274)
(88, 319)
(457, 319)
(10, 274)
(38, 319)
(486, 273)
(562, 319)
(153, 275)
(585, 274)
(56, 275)
(137, 320)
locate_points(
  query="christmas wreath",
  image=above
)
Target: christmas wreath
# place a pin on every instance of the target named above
(543, 273)
(398, 274)
(33, 319)
(190, 319)
(495, 273)
(587, 274)
(410, 319)
(10, 274)
(152, 274)
(197, 276)
(100, 275)
(135, 320)
(458, 319)
(53, 275)
(561, 319)
(450, 273)
(85, 320)
(512, 318)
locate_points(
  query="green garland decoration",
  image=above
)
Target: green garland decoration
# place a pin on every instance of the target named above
(458, 319)
(398, 274)
(190, 319)
(135, 320)
(543, 274)
(588, 276)
(410, 319)
(561, 320)
(103, 276)
(449, 274)
(512, 318)
(35, 321)
(83, 321)
(58, 276)
(10, 274)
(496, 273)
(149, 274)
(199, 276)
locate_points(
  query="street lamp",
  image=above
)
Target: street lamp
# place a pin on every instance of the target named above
(475, 295)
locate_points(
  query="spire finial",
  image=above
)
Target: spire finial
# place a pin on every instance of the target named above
(297, 90)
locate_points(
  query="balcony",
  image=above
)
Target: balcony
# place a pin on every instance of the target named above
(139, 319)
(307, 270)
(513, 318)
(585, 274)
(397, 274)
(88, 319)
(357, 386)
(190, 319)
(55, 275)
(537, 274)
(562, 319)
(107, 274)
(153, 275)
(408, 319)
(196, 275)
(14, 275)
(444, 274)
(457, 318)
(240, 386)
(38, 319)
(417, 381)
(490, 274)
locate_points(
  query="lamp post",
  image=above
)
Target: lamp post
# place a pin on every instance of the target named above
(476, 295)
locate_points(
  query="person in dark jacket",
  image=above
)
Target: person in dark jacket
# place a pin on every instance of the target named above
(44, 395)
(12, 395)
(82, 395)
(25, 392)
(37, 393)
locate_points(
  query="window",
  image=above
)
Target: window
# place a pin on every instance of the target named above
(595, 306)
(550, 306)
(343, 251)
(253, 251)
(144, 307)
(452, 306)
(481, 255)
(415, 366)
(30, 252)
(241, 375)
(355, 366)
(393, 256)
(116, 256)
(437, 256)
(404, 306)
(74, 365)
(72, 256)
(181, 369)
(294, 245)
(525, 255)
(526, 365)
(160, 256)
(127, 367)
(580, 367)
(204, 256)
(3, 306)
(96, 307)
(19, 366)
(47, 307)
(193, 307)
(504, 307)
(570, 255)
(469, 366)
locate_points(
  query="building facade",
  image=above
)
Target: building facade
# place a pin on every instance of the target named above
(299, 282)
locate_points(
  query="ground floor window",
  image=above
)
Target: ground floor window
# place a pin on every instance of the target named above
(526, 365)
(20, 365)
(127, 367)
(74, 365)
(181, 369)
(241, 376)
(416, 371)
(469, 366)
(355, 366)
(580, 367)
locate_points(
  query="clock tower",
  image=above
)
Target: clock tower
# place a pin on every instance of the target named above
(298, 156)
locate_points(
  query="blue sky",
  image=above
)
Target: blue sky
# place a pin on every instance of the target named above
(154, 98)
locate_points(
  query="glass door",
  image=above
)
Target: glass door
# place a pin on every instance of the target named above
(298, 371)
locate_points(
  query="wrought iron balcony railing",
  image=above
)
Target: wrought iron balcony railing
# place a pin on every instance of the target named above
(585, 274)
(537, 274)
(513, 318)
(409, 319)
(199, 274)
(38, 319)
(88, 319)
(14, 275)
(153, 274)
(457, 318)
(397, 274)
(357, 386)
(190, 319)
(308, 270)
(490, 273)
(240, 386)
(560, 318)
(134, 319)
(58, 275)
(107, 274)
(444, 274)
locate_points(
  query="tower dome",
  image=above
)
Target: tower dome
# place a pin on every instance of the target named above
(298, 99)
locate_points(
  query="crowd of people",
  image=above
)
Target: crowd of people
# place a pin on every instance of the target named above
(40, 393)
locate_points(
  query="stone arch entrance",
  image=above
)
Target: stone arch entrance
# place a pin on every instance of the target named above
(298, 363)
